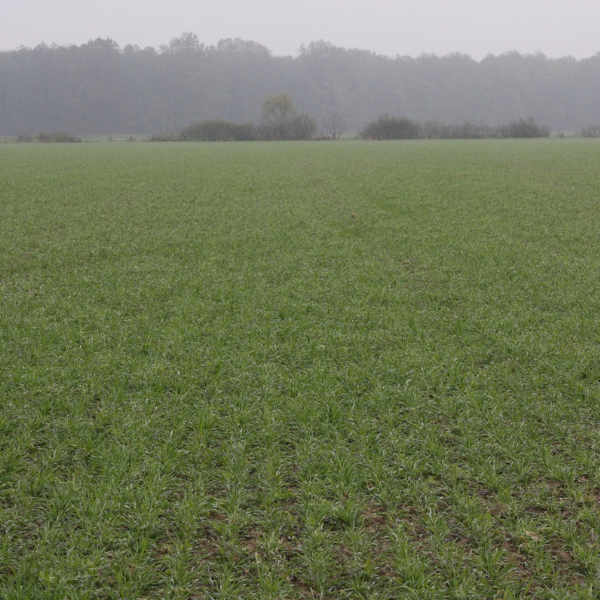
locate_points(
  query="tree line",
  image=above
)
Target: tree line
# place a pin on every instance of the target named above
(99, 88)
(280, 122)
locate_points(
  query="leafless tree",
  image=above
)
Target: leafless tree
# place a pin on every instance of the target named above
(334, 127)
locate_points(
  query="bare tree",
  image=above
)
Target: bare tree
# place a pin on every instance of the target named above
(278, 115)
(524, 128)
(334, 127)
(593, 131)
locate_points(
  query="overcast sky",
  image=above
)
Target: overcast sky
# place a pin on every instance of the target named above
(391, 27)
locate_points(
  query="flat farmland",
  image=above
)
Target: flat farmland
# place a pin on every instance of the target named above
(300, 370)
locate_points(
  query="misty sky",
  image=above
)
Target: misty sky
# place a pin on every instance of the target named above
(391, 27)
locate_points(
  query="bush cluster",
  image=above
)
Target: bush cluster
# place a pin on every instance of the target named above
(280, 121)
(394, 128)
(302, 127)
(218, 130)
(433, 130)
(53, 137)
(213, 130)
(168, 136)
(58, 137)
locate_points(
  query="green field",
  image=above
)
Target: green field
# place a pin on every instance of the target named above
(300, 370)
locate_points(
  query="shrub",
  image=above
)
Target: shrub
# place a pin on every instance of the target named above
(217, 130)
(163, 137)
(303, 127)
(392, 128)
(58, 137)
(268, 133)
(459, 131)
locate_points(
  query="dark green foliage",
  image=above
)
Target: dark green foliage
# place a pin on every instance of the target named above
(217, 130)
(392, 128)
(524, 128)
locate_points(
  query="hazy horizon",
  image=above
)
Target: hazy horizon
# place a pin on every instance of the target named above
(555, 28)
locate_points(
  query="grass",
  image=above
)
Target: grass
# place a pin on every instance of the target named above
(350, 370)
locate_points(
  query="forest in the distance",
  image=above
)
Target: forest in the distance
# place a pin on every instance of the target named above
(99, 88)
